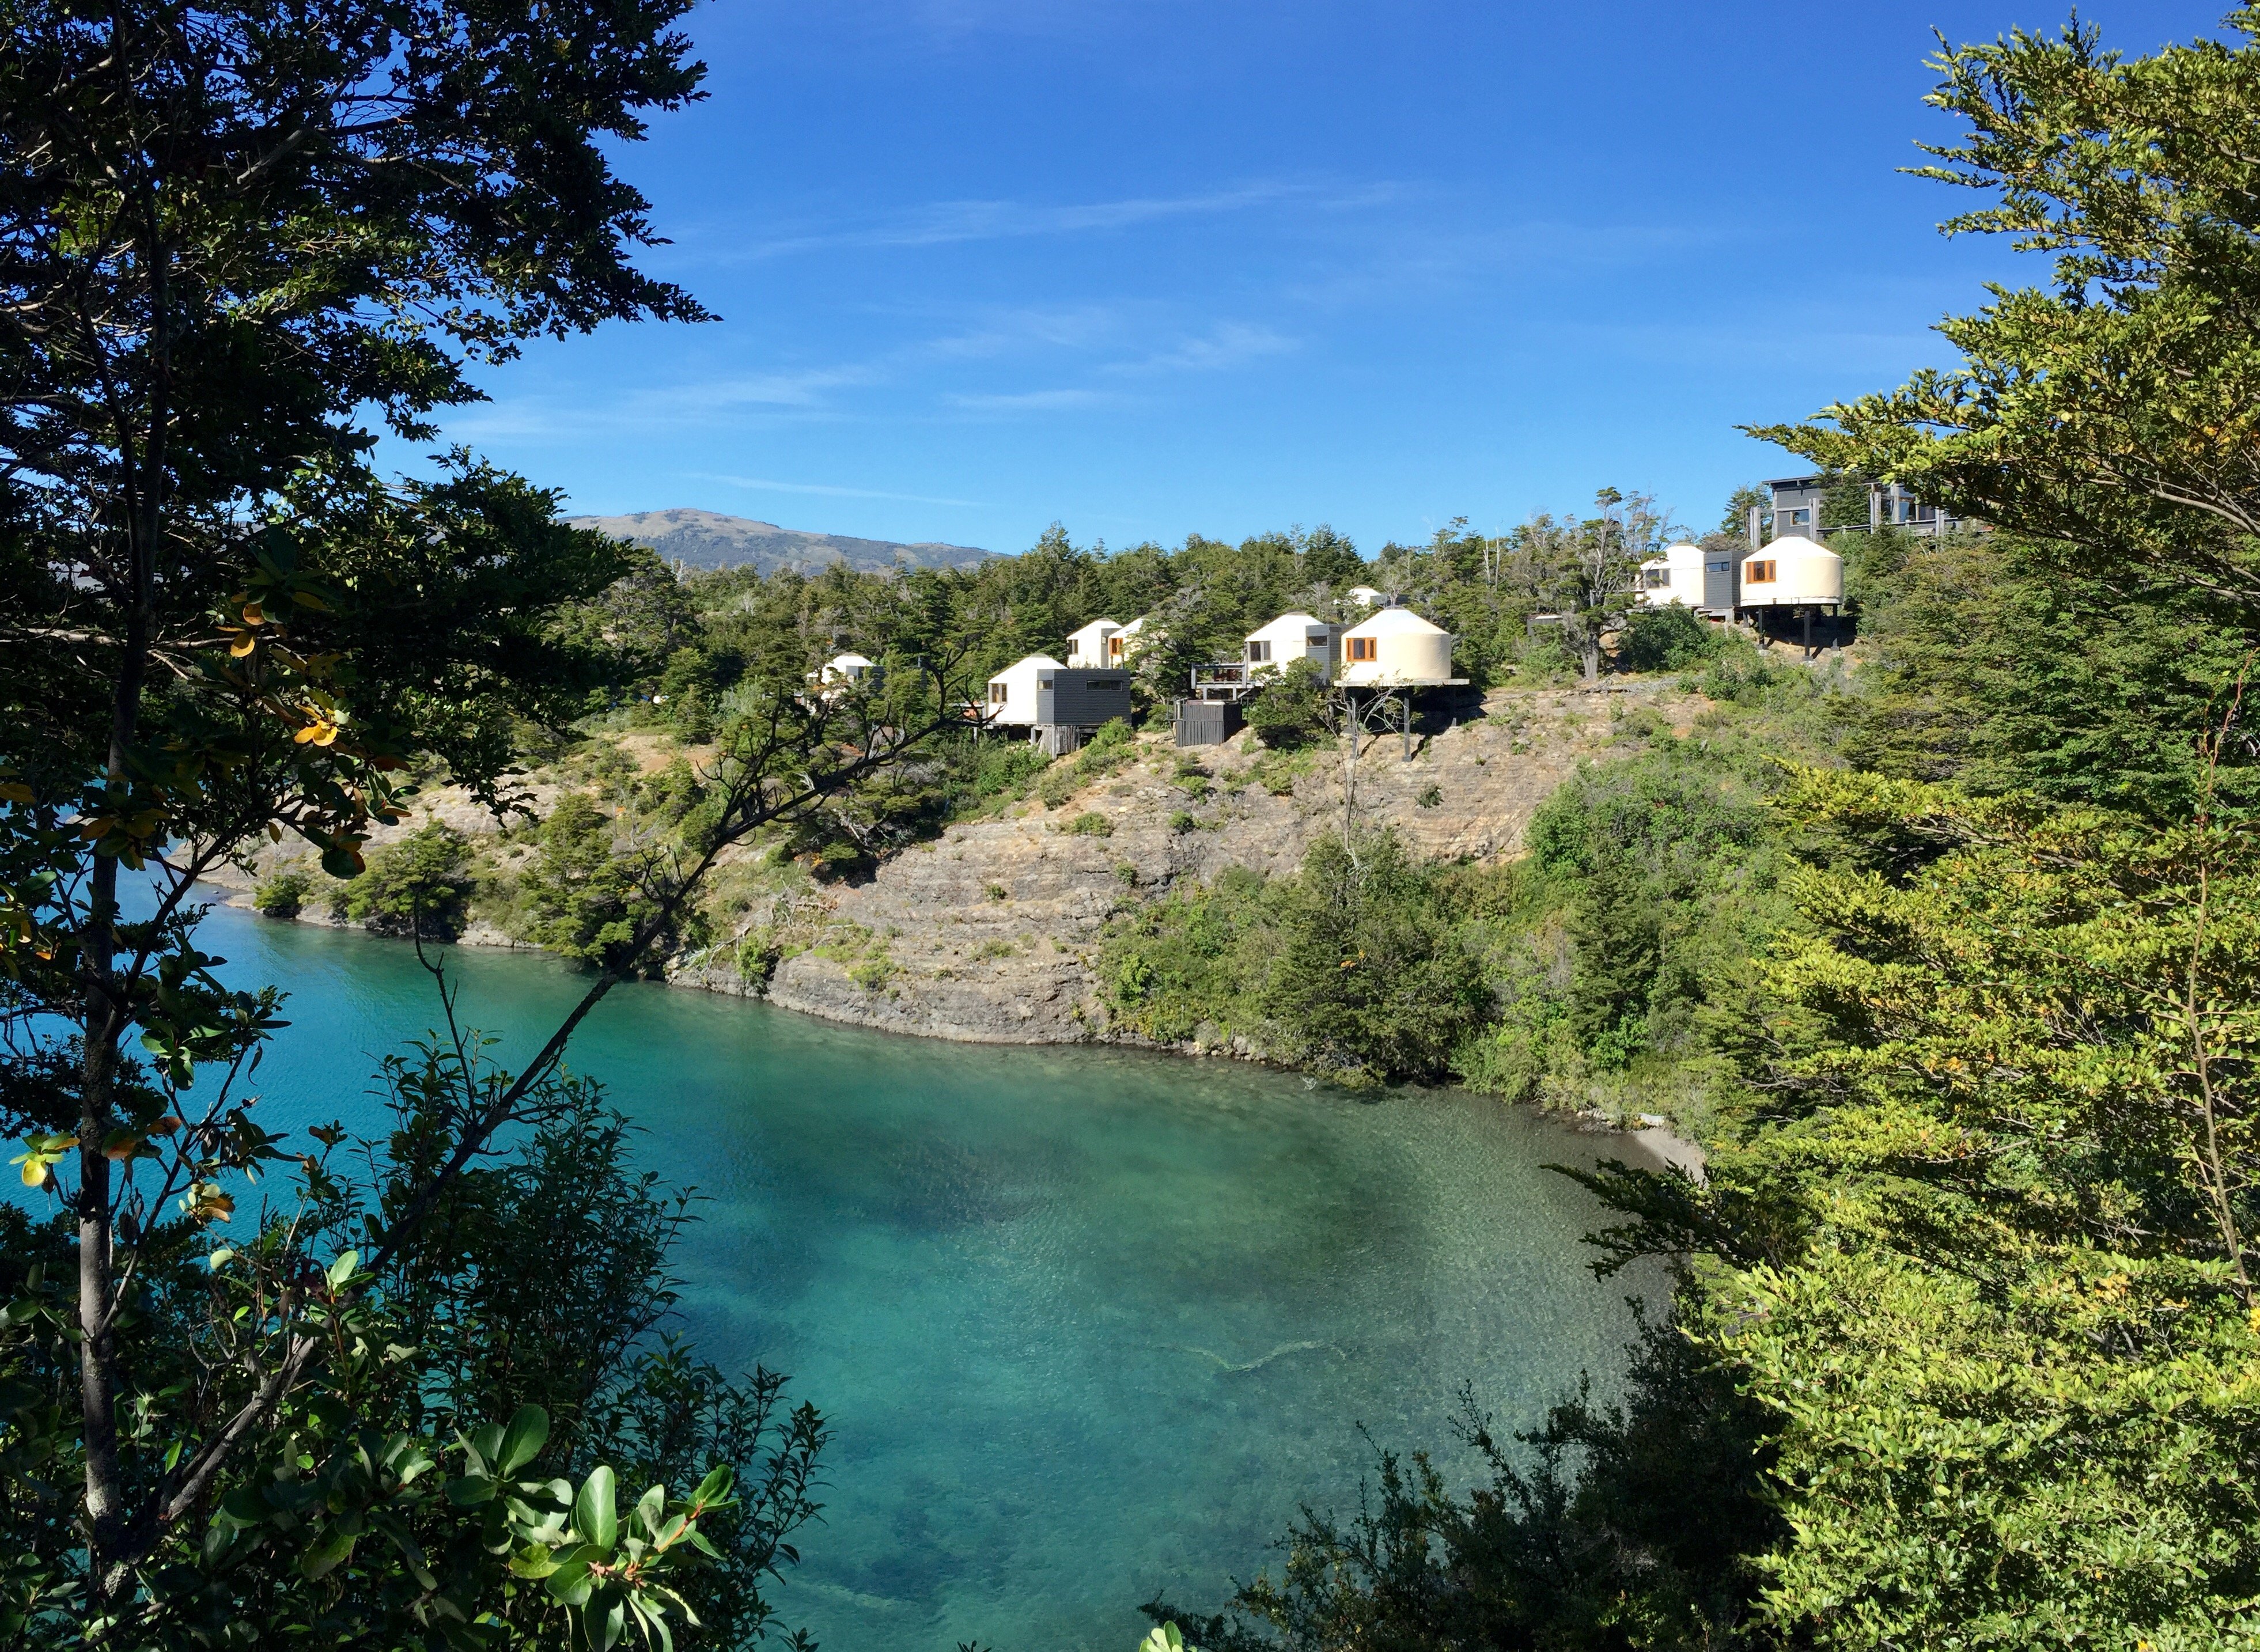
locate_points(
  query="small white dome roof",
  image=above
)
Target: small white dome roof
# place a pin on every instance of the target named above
(1394, 622)
(1793, 545)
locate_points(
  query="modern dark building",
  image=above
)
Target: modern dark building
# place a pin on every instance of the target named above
(1068, 697)
(1797, 501)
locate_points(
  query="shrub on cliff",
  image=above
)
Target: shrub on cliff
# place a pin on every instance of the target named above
(1670, 638)
(1291, 712)
(417, 886)
(283, 894)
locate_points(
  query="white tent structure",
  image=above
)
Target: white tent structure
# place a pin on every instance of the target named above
(1291, 637)
(846, 667)
(1093, 646)
(1365, 596)
(1676, 576)
(1792, 572)
(1396, 648)
(1012, 692)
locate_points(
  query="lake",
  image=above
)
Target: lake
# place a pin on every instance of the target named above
(1087, 1324)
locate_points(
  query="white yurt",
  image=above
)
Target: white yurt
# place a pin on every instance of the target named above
(1363, 596)
(1012, 692)
(846, 667)
(1792, 572)
(1396, 648)
(1088, 649)
(1676, 576)
(1290, 638)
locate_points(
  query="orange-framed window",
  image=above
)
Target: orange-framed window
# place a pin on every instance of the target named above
(1758, 573)
(1363, 648)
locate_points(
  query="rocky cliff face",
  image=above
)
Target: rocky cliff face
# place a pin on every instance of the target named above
(989, 935)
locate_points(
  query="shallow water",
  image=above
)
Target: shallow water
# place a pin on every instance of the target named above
(1087, 1325)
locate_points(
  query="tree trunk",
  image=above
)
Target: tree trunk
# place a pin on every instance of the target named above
(141, 444)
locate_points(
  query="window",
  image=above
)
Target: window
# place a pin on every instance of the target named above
(1258, 653)
(1758, 573)
(1108, 685)
(1362, 647)
(997, 692)
(1114, 648)
(1655, 578)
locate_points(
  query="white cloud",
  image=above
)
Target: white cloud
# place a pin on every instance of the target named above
(764, 485)
(1028, 401)
(946, 223)
(1226, 344)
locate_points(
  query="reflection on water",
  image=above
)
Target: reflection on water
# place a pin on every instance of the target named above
(1087, 1324)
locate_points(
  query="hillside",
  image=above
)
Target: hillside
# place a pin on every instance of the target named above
(988, 933)
(707, 539)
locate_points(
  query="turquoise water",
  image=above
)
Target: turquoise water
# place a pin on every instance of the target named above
(1087, 1325)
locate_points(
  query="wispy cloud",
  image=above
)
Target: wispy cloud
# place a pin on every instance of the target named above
(763, 485)
(944, 223)
(1226, 345)
(804, 388)
(1028, 401)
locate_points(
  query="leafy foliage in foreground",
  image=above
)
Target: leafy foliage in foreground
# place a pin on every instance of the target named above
(476, 1451)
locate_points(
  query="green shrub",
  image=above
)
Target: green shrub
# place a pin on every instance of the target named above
(1060, 783)
(578, 896)
(416, 886)
(981, 769)
(1739, 672)
(1368, 982)
(1089, 824)
(283, 894)
(1291, 712)
(1667, 638)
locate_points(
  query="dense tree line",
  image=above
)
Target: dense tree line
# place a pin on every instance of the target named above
(681, 641)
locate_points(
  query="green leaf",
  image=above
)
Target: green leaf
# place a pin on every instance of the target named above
(523, 1439)
(567, 1581)
(649, 1507)
(326, 1556)
(535, 1560)
(715, 1487)
(595, 1515)
(469, 1491)
(342, 1268)
(486, 1447)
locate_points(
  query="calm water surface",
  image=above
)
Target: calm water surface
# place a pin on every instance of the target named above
(1087, 1324)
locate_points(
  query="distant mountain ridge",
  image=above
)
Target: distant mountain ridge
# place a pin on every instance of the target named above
(707, 539)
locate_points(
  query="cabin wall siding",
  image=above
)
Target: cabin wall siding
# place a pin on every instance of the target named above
(1082, 699)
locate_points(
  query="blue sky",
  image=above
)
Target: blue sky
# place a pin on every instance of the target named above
(1149, 267)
